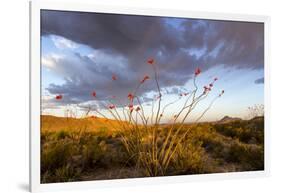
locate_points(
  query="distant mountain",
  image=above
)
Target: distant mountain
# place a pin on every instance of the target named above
(259, 118)
(227, 119)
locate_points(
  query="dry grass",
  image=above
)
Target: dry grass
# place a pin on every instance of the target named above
(96, 153)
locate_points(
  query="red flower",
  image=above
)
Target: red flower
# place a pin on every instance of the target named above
(215, 79)
(94, 94)
(144, 78)
(59, 97)
(211, 85)
(185, 94)
(180, 94)
(130, 96)
(150, 61)
(206, 89)
(114, 77)
(138, 108)
(197, 71)
(111, 106)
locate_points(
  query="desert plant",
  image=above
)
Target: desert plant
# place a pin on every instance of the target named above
(256, 110)
(141, 133)
(57, 154)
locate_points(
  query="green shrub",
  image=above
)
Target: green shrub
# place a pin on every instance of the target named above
(62, 134)
(91, 153)
(57, 154)
(251, 157)
(63, 174)
(66, 174)
(189, 159)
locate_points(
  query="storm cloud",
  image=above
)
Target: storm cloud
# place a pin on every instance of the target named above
(122, 44)
(259, 81)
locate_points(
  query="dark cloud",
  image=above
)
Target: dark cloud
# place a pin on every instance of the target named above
(178, 45)
(82, 76)
(259, 81)
(239, 44)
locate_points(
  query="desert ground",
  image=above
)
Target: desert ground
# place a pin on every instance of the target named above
(91, 148)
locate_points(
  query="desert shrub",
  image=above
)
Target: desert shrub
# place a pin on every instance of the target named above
(65, 173)
(46, 177)
(92, 153)
(189, 159)
(57, 154)
(232, 150)
(102, 152)
(62, 134)
(212, 142)
(46, 136)
(246, 131)
(250, 156)
(235, 151)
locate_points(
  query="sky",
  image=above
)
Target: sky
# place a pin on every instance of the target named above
(80, 52)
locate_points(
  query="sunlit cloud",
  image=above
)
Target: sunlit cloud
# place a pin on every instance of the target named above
(63, 43)
(50, 61)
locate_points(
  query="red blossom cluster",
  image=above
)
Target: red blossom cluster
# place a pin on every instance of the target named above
(197, 71)
(94, 94)
(111, 106)
(114, 77)
(146, 77)
(58, 97)
(130, 96)
(209, 87)
(150, 61)
(206, 89)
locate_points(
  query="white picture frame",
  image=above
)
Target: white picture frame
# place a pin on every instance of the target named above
(35, 88)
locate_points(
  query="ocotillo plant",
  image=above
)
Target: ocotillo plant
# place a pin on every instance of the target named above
(140, 131)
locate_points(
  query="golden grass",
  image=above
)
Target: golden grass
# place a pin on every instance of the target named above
(99, 152)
